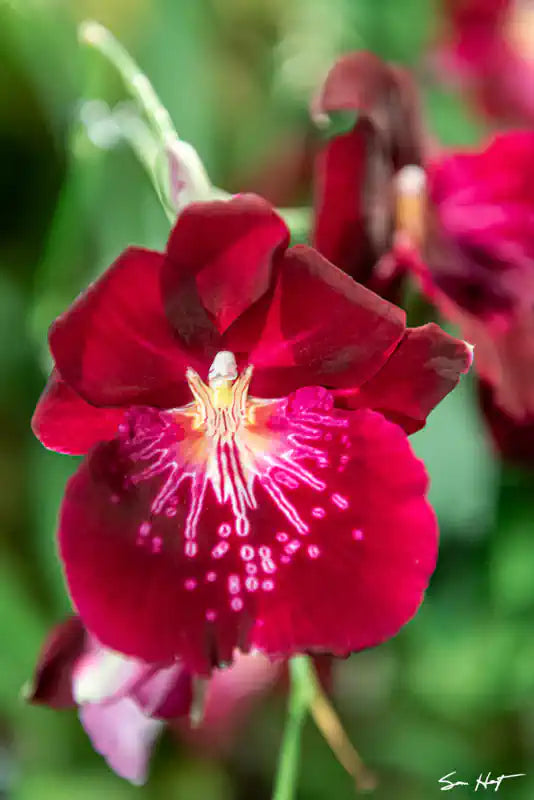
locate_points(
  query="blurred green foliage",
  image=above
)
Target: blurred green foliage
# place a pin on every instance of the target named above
(454, 691)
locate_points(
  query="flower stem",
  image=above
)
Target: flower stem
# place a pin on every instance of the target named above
(329, 724)
(299, 699)
(173, 165)
(307, 695)
(144, 144)
(135, 81)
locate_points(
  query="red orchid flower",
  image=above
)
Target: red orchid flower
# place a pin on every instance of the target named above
(124, 704)
(208, 515)
(355, 197)
(489, 48)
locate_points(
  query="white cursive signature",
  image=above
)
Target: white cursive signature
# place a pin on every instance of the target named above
(482, 782)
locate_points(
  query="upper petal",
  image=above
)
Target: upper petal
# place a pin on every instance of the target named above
(222, 253)
(424, 368)
(52, 680)
(114, 346)
(63, 421)
(316, 327)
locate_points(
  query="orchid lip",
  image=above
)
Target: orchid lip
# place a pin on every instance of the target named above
(225, 511)
(228, 446)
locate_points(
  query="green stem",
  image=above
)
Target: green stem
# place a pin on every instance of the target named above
(156, 143)
(135, 81)
(161, 139)
(145, 146)
(301, 693)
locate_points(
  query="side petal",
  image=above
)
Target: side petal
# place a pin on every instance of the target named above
(115, 347)
(52, 680)
(424, 368)
(121, 733)
(222, 252)
(317, 327)
(63, 421)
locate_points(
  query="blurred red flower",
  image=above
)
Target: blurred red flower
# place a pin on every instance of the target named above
(355, 193)
(479, 268)
(463, 226)
(205, 518)
(490, 49)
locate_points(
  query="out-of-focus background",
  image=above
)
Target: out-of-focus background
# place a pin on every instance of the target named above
(455, 690)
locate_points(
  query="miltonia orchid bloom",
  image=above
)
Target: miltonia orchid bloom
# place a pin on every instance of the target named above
(245, 485)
